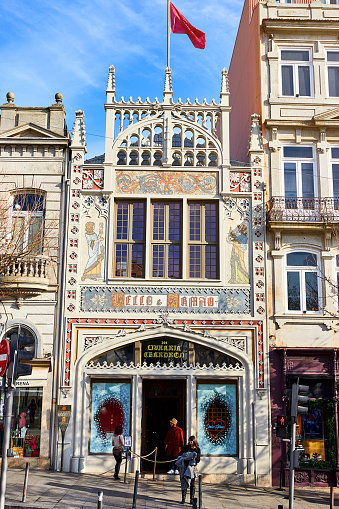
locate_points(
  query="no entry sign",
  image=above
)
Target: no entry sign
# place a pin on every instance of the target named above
(4, 355)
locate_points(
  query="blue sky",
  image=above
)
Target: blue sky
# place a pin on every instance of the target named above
(48, 47)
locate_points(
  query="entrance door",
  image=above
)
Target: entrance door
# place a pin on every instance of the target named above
(162, 400)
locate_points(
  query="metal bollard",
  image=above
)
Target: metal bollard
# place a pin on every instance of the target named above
(100, 499)
(331, 497)
(200, 492)
(24, 493)
(195, 503)
(280, 507)
(134, 505)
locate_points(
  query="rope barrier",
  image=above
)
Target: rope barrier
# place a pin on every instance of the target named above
(146, 456)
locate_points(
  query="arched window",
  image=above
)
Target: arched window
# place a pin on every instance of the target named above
(303, 289)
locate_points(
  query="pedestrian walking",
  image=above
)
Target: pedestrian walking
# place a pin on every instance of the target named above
(173, 443)
(118, 445)
(191, 446)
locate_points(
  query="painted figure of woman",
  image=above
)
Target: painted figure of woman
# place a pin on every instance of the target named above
(95, 252)
(238, 237)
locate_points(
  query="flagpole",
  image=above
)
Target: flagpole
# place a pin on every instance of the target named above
(168, 34)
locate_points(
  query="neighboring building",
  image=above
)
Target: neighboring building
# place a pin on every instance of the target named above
(165, 289)
(33, 162)
(285, 67)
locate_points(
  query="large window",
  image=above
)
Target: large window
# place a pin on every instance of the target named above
(296, 72)
(203, 240)
(335, 173)
(299, 177)
(166, 239)
(302, 282)
(27, 222)
(333, 73)
(129, 239)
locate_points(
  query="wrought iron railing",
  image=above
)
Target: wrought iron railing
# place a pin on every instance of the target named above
(325, 210)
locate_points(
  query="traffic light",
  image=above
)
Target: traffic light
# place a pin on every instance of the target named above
(299, 398)
(21, 351)
(296, 457)
(281, 430)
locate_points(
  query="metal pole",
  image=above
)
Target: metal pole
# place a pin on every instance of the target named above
(195, 503)
(331, 497)
(200, 491)
(168, 34)
(5, 445)
(62, 450)
(100, 499)
(24, 493)
(134, 505)
(155, 462)
(291, 490)
(281, 475)
(126, 460)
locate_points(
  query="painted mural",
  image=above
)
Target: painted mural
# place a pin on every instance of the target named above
(151, 299)
(239, 256)
(217, 419)
(95, 250)
(167, 183)
(111, 407)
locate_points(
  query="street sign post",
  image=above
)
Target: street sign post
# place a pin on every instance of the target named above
(64, 415)
(4, 355)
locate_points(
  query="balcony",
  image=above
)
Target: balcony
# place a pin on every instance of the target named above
(24, 277)
(302, 212)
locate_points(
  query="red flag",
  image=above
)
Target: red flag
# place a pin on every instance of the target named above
(180, 25)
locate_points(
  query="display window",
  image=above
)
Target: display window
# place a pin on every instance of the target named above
(26, 422)
(217, 420)
(110, 407)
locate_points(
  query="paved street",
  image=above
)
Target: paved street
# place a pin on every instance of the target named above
(53, 490)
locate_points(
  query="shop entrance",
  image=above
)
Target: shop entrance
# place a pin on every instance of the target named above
(162, 400)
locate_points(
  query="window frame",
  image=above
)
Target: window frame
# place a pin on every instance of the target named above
(295, 64)
(27, 216)
(328, 65)
(298, 162)
(129, 242)
(202, 242)
(166, 242)
(302, 270)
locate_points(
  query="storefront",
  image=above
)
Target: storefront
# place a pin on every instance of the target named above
(141, 377)
(317, 430)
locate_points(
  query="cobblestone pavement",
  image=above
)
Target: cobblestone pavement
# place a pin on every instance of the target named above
(55, 490)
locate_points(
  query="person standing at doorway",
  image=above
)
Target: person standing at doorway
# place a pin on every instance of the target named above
(173, 443)
(118, 444)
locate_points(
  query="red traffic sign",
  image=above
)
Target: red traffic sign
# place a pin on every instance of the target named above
(4, 355)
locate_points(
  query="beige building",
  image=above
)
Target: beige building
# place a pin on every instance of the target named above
(33, 160)
(291, 70)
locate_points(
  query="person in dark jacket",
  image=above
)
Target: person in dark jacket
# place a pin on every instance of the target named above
(191, 446)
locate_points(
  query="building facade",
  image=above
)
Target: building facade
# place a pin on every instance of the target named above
(33, 162)
(164, 302)
(293, 85)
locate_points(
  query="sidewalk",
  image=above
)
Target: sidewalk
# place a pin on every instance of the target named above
(55, 490)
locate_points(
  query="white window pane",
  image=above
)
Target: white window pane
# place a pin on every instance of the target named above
(304, 81)
(298, 152)
(287, 80)
(35, 235)
(333, 81)
(293, 291)
(311, 286)
(333, 56)
(307, 180)
(290, 180)
(296, 55)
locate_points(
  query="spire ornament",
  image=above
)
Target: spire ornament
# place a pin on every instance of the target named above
(111, 79)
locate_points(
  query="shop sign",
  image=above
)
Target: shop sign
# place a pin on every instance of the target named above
(164, 351)
(31, 383)
(64, 415)
(128, 441)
